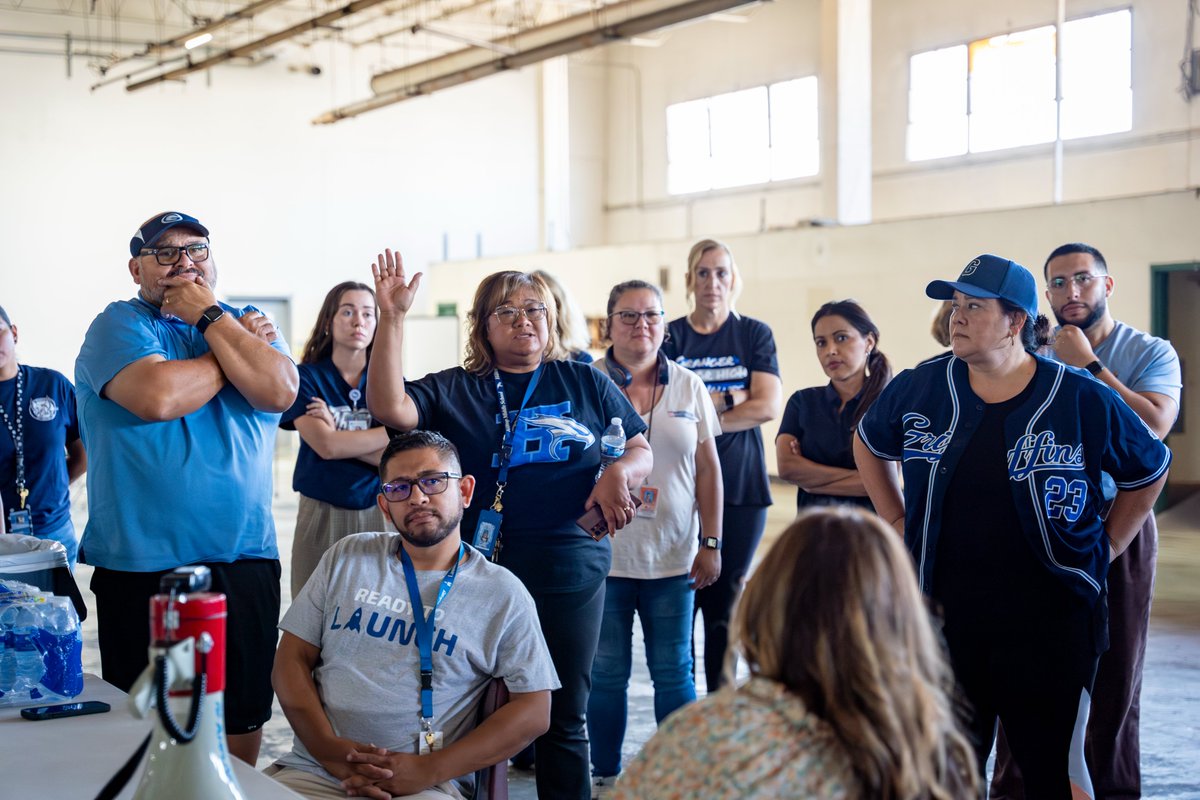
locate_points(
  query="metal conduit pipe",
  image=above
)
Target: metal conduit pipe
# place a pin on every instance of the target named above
(246, 49)
(534, 45)
(246, 12)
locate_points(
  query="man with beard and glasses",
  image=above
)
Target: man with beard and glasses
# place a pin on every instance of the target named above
(1144, 370)
(384, 701)
(179, 398)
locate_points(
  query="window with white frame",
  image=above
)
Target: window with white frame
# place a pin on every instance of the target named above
(768, 133)
(998, 92)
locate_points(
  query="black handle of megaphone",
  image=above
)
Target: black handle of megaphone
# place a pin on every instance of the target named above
(165, 716)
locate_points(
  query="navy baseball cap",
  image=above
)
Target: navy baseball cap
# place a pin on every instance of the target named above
(159, 224)
(994, 277)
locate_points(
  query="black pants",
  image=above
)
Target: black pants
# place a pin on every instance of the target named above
(251, 589)
(1113, 750)
(742, 531)
(1036, 678)
(571, 624)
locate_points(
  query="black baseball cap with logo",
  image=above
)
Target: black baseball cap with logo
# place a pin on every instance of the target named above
(156, 226)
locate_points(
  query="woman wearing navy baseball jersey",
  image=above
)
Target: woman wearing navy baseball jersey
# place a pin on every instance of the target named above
(1002, 457)
(340, 444)
(814, 446)
(527, 425)
(674, 544)
(735, 357)
(40, 449)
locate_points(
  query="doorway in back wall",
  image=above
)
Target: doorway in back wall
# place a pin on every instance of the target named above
(1175, 296)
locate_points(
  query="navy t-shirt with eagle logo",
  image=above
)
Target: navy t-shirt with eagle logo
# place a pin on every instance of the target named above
(555, 457)
(724, 360)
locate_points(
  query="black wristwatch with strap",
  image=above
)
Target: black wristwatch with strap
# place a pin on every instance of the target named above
(710, 543)
(1095, 368)
(210, 315)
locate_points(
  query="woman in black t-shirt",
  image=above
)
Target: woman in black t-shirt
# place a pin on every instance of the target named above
(735, 357)
(813, 448)
(558, 410)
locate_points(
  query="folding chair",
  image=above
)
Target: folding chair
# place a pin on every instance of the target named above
(491, 783)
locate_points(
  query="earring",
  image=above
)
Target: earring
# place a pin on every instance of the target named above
(867, 366)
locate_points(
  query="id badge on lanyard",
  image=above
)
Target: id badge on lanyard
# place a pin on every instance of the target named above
(356, 419)
(428, 739)
(487, 530)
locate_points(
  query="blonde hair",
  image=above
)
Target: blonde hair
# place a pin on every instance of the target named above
(572, 325)
(834, 614)
(696, 253)
(492, 292)
(940, 328)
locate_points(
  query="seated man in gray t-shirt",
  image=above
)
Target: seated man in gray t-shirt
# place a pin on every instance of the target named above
(384, 702)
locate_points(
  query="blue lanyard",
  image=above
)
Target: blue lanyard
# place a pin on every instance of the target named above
(425, 626)
(506, 446)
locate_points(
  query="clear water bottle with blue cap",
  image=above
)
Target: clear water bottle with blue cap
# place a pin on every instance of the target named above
(612, 445)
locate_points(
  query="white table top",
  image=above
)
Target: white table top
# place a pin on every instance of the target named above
(74, 757)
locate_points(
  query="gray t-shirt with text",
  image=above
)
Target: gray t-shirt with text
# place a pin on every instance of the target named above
(356, 609)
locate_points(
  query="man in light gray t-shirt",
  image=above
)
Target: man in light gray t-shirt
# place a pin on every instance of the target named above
(1145, 371)
(348, 671)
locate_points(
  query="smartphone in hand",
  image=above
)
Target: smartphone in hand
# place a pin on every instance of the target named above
(593, 520)
(65, 710)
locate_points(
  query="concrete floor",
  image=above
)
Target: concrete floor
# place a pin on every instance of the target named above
(1170, 698)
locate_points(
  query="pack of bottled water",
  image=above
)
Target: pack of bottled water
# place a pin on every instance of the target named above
(41, 651)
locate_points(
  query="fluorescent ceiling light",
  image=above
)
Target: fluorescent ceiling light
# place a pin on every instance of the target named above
(197, 41)
(723, 16)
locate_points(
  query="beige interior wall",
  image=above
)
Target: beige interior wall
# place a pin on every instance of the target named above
(885, 266)
(782, 41)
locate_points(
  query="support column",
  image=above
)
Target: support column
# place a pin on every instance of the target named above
(845, 110)
(555, 194)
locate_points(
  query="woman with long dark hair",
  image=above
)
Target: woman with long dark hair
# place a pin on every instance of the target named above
(735, 357)
(340, 444)
(814, 446)
(1002, 453)
(848, 694)
(527, 424)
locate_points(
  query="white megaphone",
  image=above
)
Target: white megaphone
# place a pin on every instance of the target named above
(186, 675)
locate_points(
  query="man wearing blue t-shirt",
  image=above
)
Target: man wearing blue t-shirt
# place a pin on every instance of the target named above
(1145, 371)
(179, 398)
(40, 450)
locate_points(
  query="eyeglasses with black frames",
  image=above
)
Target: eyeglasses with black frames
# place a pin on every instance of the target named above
(509, 314)
(1082, 280)
(169, 256)
(653, 317)
(400, 489)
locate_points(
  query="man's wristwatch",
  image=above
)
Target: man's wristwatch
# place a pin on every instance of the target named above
(210, 315)
(728, 398)
(710, 543)
(1095, 367)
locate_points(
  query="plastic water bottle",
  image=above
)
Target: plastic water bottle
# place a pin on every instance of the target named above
(21, 667)
(612, 445)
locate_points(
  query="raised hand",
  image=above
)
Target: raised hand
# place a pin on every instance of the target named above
(393, 292)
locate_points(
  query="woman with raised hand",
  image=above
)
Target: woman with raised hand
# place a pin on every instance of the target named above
(527, 425)
(1002, 453)
(848, 695)
(814, 446)
(735, 357)
(337, 468)
(673, 546)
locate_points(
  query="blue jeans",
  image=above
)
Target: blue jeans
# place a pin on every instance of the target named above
(665, 608)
